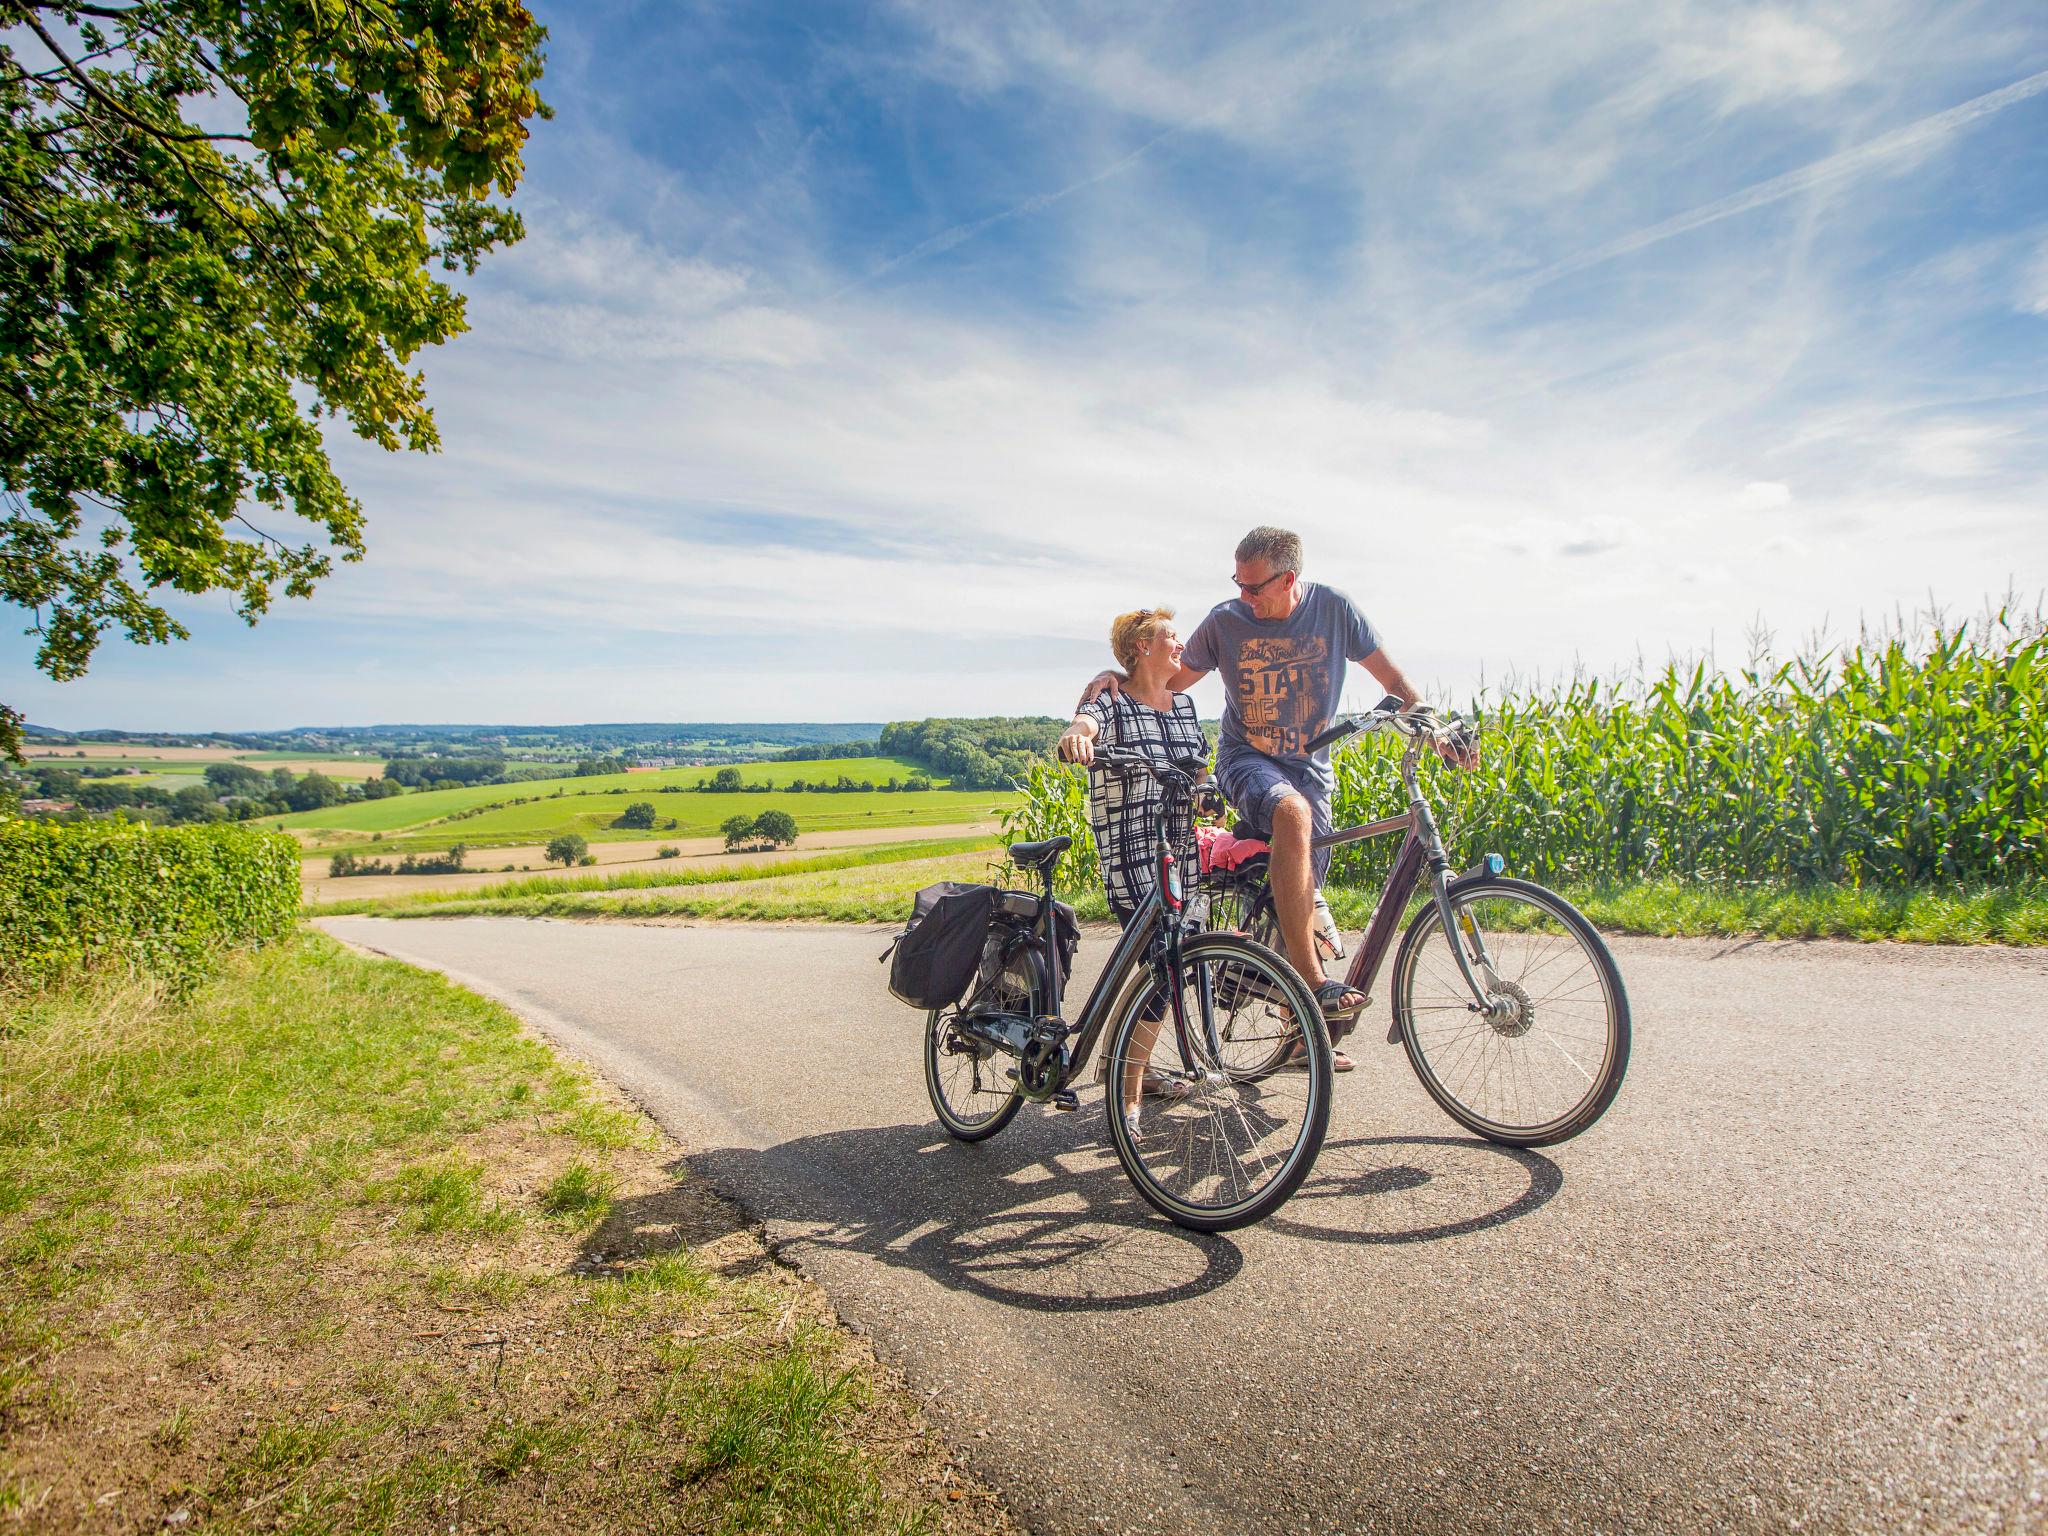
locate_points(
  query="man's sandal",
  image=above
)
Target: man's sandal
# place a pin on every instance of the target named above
(1330, 995)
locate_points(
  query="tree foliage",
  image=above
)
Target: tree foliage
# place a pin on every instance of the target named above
(777, 828)
(990, 753)
(770, 829)
(217, 225)
(567, 849)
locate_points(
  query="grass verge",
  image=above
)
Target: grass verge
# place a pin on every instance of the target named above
(1983, 915)
(1679, 909)
(545, 886)
(332, 1245)
(881, 893)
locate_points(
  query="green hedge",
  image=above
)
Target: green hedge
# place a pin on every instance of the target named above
(159, 900)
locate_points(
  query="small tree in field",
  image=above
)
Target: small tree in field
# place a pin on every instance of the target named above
(776, 828)
(639, 814)
(738, 830)
(567, 849)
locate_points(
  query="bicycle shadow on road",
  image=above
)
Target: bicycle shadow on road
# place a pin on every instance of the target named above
(1038, 1217)
(1042, 1218)
(1415, 1189)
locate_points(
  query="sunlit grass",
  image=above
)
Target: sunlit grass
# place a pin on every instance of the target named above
(354, 1252)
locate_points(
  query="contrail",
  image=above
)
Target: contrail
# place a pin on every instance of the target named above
(1317, 62)
(1838, 167)
(946, 239)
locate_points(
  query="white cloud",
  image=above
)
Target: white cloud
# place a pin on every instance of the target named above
(1953, 451)
(2032, 297)
(1763, 55)
(696, 424)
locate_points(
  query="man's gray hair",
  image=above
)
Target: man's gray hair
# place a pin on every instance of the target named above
(1279, 548)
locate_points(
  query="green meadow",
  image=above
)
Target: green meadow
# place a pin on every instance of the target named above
(499, 815)
(698, 815)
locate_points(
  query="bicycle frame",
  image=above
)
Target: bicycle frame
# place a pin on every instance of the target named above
(1422, 846)
(1126, 966)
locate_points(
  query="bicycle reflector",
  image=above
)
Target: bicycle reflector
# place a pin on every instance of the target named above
(1491, 864)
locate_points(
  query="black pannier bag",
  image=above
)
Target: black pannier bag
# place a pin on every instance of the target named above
(1024, 906)
(939, 950)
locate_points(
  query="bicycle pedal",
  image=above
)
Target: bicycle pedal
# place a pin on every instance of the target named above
(1064, 1099)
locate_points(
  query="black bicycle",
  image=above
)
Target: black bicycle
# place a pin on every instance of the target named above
(1205, 1143)
(1507, 999)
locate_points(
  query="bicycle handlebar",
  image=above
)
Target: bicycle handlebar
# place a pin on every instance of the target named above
(1391, 712)
(1182, 772)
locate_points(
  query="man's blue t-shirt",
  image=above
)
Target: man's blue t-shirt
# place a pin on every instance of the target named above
(1282, 678)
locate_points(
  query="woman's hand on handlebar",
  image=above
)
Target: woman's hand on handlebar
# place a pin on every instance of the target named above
(1077, 743)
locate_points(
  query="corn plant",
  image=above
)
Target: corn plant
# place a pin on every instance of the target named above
(1908, 757)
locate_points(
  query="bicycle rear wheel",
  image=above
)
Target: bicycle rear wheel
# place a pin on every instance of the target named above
(1259, 1042)
(969, 1083)
(1546, 1057)
(1220, 1149)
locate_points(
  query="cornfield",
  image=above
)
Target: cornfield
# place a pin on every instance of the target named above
(1905, 758)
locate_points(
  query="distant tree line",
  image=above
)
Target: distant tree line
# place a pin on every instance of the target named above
(444, 772)
(729, 781)
(828, 749)
(988, 753)
(231, 792)
(345, 863)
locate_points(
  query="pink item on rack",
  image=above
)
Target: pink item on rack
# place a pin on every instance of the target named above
(1221, 850)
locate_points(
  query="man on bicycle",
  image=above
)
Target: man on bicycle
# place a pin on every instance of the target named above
(1281, 645)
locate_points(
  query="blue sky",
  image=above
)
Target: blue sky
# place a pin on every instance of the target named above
(862, 361)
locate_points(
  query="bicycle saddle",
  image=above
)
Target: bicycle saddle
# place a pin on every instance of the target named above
(1039, 855)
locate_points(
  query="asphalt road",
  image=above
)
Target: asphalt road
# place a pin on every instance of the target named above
(1796, 1279)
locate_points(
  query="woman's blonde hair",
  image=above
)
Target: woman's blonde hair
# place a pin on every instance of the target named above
(1132, 630)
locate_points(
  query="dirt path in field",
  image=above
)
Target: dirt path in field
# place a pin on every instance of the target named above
(488, 864)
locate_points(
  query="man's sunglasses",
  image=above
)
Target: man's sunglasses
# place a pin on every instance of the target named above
(1253, 589)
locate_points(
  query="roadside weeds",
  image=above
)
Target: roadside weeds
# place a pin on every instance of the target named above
(335, 1246)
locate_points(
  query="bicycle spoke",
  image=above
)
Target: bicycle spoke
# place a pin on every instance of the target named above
(1240, 1134)
(1542, 1047)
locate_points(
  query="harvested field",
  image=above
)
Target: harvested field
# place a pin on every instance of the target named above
(192, 759)
(316, 885)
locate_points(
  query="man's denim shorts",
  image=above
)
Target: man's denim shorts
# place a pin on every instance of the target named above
(1254, 783)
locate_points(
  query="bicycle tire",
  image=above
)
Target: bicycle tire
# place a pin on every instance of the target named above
(1179, 1170)
(977, 1122)
(1461, 1050)
(1247, 909)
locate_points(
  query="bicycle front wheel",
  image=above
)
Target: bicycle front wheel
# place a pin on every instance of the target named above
(1544, 1056)
(1212, 1148)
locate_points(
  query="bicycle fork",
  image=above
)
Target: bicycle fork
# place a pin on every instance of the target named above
(1424, 846)
(1461, 930)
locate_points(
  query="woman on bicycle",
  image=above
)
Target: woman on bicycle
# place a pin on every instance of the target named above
(1142, 716)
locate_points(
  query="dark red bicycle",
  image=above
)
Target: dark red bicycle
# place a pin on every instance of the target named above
(1508, 1001)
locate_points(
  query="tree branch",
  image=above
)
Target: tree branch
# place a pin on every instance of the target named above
(92, 89)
